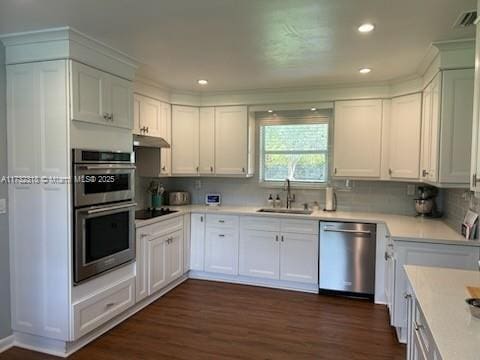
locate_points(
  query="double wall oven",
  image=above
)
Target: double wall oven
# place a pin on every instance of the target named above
(104, 211)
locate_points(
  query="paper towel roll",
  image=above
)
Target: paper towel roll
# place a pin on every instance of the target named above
(329, 199)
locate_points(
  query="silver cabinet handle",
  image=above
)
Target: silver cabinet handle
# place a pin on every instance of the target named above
(109, 305)
(201, 218)
(146, 129)
(221, 221)
(424, 173)
(474, 180)
(276, 237)
(197, 169)
(366, 232)
(221, 235)
(106, 116)
(387, 256)
(390, 171)
(416, 326)
(282, 238)
(110, 117)
(335, 171)
(164, 168)
(110, 208)
(211, 169)
(407, 296)
(243, 170)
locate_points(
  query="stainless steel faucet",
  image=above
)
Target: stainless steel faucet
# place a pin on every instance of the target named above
(290, 196)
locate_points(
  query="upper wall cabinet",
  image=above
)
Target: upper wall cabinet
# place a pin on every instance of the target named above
(447, 124)
(185, 140)
(100, 98)
(404, 137)
(357, 138)
(207, 141)
(231, 140)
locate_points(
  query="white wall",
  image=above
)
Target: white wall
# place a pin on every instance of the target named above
(5, 325)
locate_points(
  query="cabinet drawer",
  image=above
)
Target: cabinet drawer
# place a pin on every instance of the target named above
(299, 226)
(96, 310)
(161, 227)
(224, 221)
(259, 223)
(422, 331)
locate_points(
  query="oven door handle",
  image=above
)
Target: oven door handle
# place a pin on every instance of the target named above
(110, 208)
(106, 167)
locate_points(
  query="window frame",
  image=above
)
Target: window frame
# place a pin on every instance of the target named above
(318, 118)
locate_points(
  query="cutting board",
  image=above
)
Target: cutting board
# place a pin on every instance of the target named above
(474, 291)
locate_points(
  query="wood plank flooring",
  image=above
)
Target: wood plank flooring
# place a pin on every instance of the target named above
(211, 320)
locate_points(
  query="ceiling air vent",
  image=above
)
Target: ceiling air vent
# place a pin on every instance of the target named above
(466, 19)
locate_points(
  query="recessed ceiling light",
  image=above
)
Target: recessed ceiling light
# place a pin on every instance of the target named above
(366, 28)
(365, 70)
(313, 109)
(270, 111)
(202, 82)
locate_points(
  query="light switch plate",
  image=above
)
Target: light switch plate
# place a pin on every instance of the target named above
(3, 206)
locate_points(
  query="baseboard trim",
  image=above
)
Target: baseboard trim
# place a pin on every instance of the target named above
(7, 342)
(245, 280)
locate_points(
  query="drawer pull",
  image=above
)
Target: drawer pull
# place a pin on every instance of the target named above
(109, 305)
(417, 327)
(221, 221)
(221, 235)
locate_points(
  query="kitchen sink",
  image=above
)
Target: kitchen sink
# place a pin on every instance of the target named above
(286, 211)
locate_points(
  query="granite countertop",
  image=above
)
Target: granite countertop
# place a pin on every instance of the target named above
(441, 294)
(400, 227)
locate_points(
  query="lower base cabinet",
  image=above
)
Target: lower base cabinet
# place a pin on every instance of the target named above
(259, 254)
(160, 256)
(221, 249)
(423, 254)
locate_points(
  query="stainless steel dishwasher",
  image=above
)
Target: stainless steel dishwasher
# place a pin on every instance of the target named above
(347, 258)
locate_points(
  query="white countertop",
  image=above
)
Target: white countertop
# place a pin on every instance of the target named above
(441, 294)
(400, 227)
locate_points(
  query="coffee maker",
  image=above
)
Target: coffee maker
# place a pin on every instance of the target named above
(425, 204)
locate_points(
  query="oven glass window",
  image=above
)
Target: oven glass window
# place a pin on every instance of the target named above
(105, 156)
(106, 235)
(105, 183)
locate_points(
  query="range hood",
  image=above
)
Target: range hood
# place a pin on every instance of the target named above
(149, 141)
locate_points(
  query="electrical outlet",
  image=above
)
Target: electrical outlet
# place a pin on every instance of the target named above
(410, 190)
(198, 184)
(3, 206)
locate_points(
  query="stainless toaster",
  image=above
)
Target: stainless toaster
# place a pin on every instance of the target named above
(179, 198)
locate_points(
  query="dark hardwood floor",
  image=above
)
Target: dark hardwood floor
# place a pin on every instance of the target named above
(210, 320)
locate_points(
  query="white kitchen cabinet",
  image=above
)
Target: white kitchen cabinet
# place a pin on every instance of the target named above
(197, 242)
(404, 137)
(166, 133)
(456, 127)
(221, 251)
(259, 254)
(185, 140)
(357, 138)
(147, 119)
(446, 132)
(100, 98)
(231, 140)
(390, 266)
(425, 254)
(430, 106)
(475, 158)
(207, 141)
(165, 260)
(298, 258)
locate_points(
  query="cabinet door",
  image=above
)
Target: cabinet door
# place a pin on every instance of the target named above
(175, 255)
(136, 116)
(89, 94)
(357, 138)
(299, 258)
(456, 121)
(197, 242)
(157, 263)
(259, 254)
(207, 140)
(221, 251)
(166, 133)
(120, 102)
(404, 139)
(185, 140)
(430, 130)
(231, 140)
(150, 116)
(141, 286)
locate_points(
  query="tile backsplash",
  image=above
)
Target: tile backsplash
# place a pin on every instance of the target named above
(370, 196)
(456, 202)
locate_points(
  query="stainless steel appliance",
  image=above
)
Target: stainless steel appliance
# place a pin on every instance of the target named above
(102, 177)
(104, 212)
(179, 198)
(347, 258)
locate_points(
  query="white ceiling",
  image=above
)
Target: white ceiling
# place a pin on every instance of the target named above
(253, 44)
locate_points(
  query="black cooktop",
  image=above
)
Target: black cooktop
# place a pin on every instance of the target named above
(150, 214)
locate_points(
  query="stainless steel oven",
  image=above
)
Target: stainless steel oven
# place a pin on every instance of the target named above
(104, 212)
(104, 238)
(102, 177)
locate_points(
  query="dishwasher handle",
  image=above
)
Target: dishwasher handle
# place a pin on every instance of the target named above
(365, 232)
